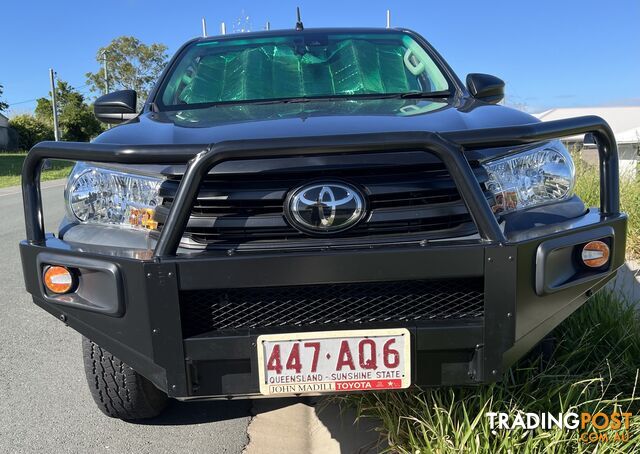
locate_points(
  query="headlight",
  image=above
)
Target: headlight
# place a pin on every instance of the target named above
(538, 176)
(104, 196)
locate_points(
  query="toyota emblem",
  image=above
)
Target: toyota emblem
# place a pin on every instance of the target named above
(322, 208)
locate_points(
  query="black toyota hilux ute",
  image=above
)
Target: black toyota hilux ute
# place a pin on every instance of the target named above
(314, 211)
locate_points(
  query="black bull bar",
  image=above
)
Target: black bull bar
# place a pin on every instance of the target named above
(164, 362)
(449, 147)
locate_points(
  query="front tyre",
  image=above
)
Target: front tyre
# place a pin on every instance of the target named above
(118, 390)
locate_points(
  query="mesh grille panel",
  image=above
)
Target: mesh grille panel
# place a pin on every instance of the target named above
(316, 305)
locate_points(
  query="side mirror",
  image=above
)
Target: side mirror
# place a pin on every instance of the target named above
(117, 107)
(485, 87)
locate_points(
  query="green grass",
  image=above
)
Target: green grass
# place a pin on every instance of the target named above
(588, 188)
(595, 367)
(11, 167)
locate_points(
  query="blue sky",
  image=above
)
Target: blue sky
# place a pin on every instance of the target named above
(551, 53)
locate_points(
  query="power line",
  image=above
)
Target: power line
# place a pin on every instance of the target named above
(81, 86)
(83, 92)
(22, 102)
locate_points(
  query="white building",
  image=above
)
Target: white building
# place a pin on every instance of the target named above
(625, 123)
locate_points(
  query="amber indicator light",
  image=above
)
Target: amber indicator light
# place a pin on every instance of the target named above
(595, 254)
(58, 279)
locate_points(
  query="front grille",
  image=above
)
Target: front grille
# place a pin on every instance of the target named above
(403, 199)
(316, 305)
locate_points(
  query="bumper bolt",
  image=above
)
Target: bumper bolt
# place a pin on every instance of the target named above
(149, 275)
(509, 314)
(494, 372)
(63, 318)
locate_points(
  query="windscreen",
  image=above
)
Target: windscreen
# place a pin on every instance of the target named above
(299, 66)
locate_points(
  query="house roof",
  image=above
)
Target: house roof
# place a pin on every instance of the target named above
(624, 121)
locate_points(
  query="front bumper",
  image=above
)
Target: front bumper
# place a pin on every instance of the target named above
(143, 327)
(530, 282)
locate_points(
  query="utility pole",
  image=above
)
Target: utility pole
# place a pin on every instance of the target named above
(106, 72)
(54, 105)
(204, 27)
(223, 29)
(106, 76)
(388, 18)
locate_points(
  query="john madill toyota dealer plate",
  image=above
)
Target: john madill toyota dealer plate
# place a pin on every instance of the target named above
(334, 361)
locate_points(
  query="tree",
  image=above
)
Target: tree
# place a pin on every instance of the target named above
(3, 105)
(65, 95)
(75, 117)
(131, 65)
(30, 130)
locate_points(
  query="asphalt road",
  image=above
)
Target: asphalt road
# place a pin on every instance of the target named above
(45, 404)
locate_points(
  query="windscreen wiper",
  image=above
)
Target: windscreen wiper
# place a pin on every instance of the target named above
(424, 94)
(409, 95)
(303, 99)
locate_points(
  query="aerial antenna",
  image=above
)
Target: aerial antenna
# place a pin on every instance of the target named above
(388, 18)
(299, 25)
(204, 27)
(223, 28)
(267, 26)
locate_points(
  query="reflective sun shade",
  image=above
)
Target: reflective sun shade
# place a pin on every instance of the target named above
(319, 64)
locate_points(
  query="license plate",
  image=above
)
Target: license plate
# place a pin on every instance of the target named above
(334, 361)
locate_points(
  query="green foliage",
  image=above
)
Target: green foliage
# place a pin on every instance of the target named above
(3, 105)
(75, 117)
(594, 368)
(131, 65)
(30, 130)
(43, 111)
